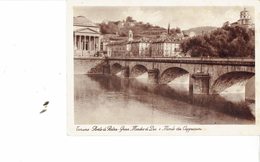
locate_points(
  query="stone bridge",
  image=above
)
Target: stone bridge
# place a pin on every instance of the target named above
(206, 75)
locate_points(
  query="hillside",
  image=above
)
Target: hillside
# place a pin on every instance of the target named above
(140, 29)
(199, 30)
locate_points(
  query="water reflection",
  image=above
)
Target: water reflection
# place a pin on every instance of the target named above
(103, 99)
(180, 84)
(234, 97)
(143, 78)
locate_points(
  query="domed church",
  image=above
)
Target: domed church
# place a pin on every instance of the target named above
(86, 37)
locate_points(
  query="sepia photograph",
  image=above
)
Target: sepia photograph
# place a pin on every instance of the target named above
(136, 80)
(163, 65)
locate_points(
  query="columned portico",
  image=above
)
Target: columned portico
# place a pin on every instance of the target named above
(86, 38)
(86, 45)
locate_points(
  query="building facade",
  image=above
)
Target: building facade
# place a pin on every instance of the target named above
(167, 47)
(86, 37)
(117, 49)
(139, 48)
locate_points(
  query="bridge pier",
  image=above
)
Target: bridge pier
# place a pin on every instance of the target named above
(106, 69)
(125, 71)
(153, 75)
(200, 83)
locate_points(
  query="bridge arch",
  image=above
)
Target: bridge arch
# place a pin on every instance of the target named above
(232, 82)
(173, 73)
(116, 68)
(138, 70)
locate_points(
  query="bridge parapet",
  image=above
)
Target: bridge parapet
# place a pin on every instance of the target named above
(189, 60)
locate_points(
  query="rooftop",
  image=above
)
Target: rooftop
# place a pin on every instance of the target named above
(167, 39)
(122, 42)
(141, 40)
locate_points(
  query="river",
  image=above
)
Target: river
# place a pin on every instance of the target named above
(105, 99)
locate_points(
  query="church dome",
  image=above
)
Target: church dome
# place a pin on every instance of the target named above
(244, 14)
(82, 21)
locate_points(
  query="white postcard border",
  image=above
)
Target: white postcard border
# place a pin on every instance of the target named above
(109, 129)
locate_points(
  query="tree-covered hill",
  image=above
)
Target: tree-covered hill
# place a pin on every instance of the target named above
(223, 42)
(139, 29)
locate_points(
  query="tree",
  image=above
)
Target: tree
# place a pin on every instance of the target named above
(110, 28)
(178, 30)
(222, 42)
(129, 19)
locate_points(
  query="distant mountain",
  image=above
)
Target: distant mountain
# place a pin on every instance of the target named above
(199, 30)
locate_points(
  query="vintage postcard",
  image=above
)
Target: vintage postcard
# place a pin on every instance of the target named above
(163, 69)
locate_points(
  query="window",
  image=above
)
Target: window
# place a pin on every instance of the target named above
(101, 46)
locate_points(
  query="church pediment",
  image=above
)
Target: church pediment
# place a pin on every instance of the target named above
(86, 30)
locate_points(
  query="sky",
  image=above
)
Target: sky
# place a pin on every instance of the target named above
(182, 16)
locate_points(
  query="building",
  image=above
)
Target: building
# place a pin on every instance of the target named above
(139, 48)
(86, 36)
(104, 41)
(130, 47)
(117, 49)
(166, 47)
(107, 41)
(244, 21)
(121, 24)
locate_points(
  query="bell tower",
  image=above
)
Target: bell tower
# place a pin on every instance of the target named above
(130, 35)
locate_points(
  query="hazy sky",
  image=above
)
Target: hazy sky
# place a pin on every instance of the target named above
(183, 17)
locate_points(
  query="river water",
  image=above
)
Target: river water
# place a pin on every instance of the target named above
(100, 99)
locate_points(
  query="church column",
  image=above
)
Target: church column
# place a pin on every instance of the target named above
(79, 42)
(85, 40)
(74, 38)
(98, 43)
(77, 45)
(82, 42)
(94, 44)
(89, 40)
